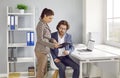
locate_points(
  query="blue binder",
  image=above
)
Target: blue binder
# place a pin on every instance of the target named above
(12, 22)
(30, 38)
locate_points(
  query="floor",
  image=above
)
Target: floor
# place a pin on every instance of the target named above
(68, 74)
(49, 75)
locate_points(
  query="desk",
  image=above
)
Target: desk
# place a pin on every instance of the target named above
(109, 49)
(95, 56)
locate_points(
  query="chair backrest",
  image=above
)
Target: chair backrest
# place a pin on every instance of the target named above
(52, 64)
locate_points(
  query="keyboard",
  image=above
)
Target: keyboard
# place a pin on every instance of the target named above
(84, 50)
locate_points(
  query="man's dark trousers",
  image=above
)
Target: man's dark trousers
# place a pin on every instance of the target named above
(67, 61)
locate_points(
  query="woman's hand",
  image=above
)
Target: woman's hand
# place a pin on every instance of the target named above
(53, 40)
(56, 45)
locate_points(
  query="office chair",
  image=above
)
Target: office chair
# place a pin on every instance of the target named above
(54, 67)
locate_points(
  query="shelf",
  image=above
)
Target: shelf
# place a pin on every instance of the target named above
(26, 29)
(17, 45)
(23, 29)
(20, 31)
(23, 59)
(21, 74)
(20, 13)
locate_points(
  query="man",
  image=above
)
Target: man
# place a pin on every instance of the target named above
(61, 55)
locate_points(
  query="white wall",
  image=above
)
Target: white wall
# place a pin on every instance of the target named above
(94, 12)
(92, 18)
(70, 10)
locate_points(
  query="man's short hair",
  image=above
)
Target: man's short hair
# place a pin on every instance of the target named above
(63, 22)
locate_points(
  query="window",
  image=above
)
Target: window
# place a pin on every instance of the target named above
(113, 21)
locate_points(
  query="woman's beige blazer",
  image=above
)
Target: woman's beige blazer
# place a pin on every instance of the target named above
(43, 37)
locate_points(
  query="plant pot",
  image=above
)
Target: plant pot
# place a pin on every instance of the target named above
(21, 11)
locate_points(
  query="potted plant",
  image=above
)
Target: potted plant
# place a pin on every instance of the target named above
(22, 7)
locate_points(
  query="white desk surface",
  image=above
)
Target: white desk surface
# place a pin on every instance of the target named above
(109, 49)
(97, 55)
(94, 55)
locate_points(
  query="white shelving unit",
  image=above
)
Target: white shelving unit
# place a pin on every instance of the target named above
(20, 14)
(18, 51)
(25, 59)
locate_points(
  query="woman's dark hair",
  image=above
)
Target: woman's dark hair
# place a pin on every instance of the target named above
(47, 12)
(63, 22)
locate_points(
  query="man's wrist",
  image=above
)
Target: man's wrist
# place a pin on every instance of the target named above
(67, 51)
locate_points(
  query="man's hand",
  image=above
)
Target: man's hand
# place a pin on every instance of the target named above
(66, 52)
(56, 60)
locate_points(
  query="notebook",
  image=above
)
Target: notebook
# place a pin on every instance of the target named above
(90, 47)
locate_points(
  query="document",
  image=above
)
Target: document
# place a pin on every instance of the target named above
(61, 50)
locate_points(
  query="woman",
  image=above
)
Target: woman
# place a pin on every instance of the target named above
(43, 43)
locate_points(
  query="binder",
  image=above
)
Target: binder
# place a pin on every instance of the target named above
(8, 22)
(30, 38)
(12, 22)
(16, 22)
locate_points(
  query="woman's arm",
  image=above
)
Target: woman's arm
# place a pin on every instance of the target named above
(40, 36)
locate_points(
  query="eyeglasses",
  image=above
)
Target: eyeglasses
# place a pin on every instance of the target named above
(62, 28)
